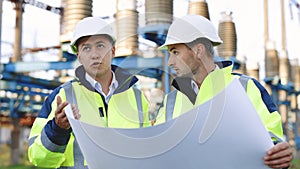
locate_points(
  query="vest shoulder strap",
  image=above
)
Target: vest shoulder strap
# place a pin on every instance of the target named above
(244, 81)
(170, 105)
(138, 97)
(70, 94)
(71, 98)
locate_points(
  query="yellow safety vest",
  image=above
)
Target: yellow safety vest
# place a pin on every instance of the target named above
(177, 103)
(126, 109)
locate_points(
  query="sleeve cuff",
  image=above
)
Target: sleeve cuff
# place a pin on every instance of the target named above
(56, 134)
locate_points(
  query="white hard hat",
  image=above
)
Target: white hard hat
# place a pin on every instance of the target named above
(91, 26)
(189, 28)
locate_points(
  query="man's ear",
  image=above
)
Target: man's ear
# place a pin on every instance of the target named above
(78, 57)
(113, 51)
(199, 49)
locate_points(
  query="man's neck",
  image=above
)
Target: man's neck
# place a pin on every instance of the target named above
(199, 78)
(105, 82)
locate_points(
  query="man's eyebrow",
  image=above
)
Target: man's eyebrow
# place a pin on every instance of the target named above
(100, 41)
(173, 48)
(84, 45)
(89, 44)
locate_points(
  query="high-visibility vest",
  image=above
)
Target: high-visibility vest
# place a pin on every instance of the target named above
(177, 103)
(127, 109)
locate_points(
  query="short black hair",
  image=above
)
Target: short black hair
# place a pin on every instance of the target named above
(207, 43)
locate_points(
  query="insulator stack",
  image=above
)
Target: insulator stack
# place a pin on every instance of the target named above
(198, 7)
(227, 33)
(242, 65)
(253, 70)
(158, 12)
(271, 60)
(74, 11)
(243, 68)
(126, 25)
(284, 74)
(295, 72)
(284, 69)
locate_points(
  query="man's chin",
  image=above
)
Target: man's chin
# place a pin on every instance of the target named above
(181, 74)
(93, 72)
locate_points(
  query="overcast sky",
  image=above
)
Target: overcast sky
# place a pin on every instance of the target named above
(41, 28)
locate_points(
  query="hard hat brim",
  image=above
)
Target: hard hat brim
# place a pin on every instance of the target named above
(165, 45)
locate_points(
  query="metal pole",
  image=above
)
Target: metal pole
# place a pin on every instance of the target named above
(18, 31)
(283, 33)
(0, 42)
(266, 19)
(0, 28)
(15, 133)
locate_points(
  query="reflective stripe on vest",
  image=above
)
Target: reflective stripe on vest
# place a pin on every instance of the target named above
(70, 94)
(78, 156)
(170, 105)
(75, 167)
(138, 98)
(275, 137)
(244, 81)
